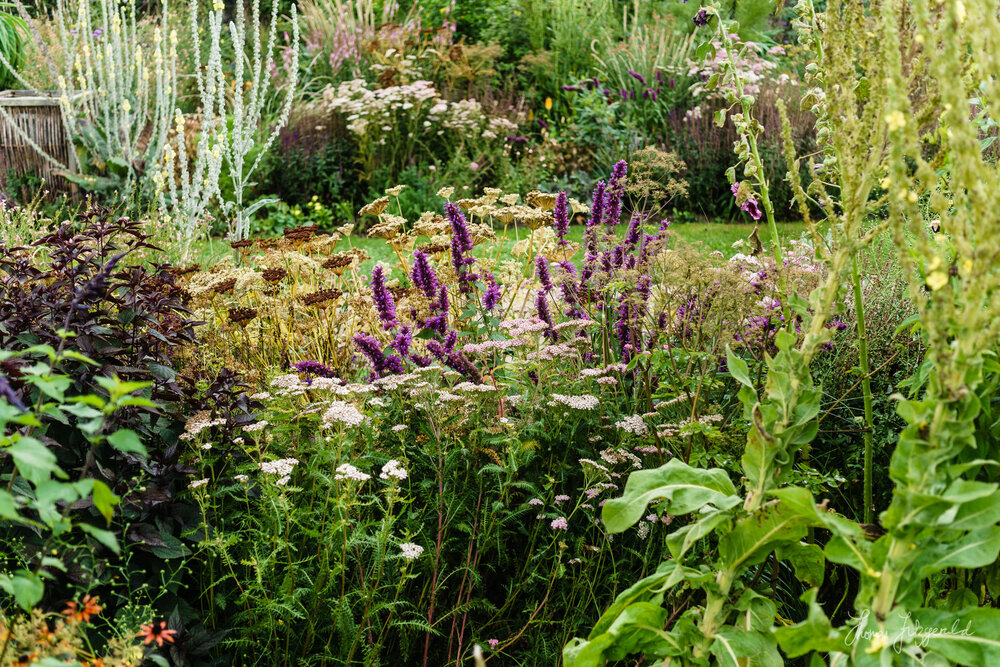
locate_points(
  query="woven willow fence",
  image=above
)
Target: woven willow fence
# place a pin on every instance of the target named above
(38, 118)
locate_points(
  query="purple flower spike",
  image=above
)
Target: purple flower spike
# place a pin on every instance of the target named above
(542, 272)
(403, 341)
(314, 369)
(638, 77)
(461, 244)
(545, 315)
(492, 295)
(597, 207)
(384, 303)
(381, 364)
(423, 275)
(616, 187)
(561, 216)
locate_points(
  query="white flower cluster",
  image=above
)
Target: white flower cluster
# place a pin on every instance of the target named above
(281, 467)
(393, 470)
(288, 385)
(343, 412)
(256, 426)
(633, 424)
(198, 482)
(378, 110)
(198, 423)
(581, 402)
(410, 550)
(349, 472)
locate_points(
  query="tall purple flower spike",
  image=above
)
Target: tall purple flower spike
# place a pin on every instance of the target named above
(461, 244)
(561, 216)
(384, 303)
(422, 274)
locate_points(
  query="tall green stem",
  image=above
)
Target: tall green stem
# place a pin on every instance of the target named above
(866, 385)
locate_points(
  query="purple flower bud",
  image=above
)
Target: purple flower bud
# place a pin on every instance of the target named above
(701, 18)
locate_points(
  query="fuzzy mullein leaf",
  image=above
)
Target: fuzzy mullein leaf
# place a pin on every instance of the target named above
(682, 488)
(815, 633)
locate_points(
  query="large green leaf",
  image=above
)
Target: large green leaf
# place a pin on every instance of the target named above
(816, 633)
(26, 587)
(34, 460)
(756, 536)
(682, 488)
(976, 549)
(967, 637)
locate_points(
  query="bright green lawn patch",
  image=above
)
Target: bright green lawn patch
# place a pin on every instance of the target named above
(711, 235)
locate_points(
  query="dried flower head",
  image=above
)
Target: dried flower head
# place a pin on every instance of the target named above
(376, 207)
(243, 247)
(322, 298)
(242, 316)
(225, 287)
(274, 276)
(183, 271)
(542, 200)
(339, 263)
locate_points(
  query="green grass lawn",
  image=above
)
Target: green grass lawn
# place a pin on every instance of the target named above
(710, 235)
(722, 235)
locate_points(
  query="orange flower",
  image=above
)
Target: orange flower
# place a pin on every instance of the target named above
(90, 608)
(548, 104)
(156, 632)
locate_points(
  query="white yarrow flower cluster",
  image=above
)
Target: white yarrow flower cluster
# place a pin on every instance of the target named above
(393, 470)
(343, 412)
(349, 472)
(281, 467)
(256, 426)
(411, 551)
(198, 482)
(581, 402)
(633, 424)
